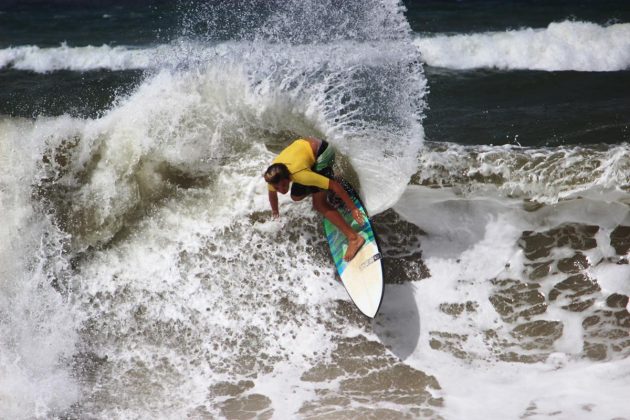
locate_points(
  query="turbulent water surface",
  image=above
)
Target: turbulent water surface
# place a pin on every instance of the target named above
(141, 275)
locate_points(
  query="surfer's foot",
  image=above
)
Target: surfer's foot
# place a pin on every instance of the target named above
(354, 245)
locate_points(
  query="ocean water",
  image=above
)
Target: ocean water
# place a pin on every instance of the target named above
(142, 277)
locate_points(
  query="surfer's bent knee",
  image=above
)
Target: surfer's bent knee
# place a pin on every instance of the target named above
(322, 206)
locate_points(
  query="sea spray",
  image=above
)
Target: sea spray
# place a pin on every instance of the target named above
(38, 335)
(349, 68)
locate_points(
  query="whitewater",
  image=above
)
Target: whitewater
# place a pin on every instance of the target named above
(141, 275)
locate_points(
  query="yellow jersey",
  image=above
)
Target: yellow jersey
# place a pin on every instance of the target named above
(299, 158)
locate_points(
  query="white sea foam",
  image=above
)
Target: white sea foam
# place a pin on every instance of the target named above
(567, 45)
(477, 385)
(546, 175)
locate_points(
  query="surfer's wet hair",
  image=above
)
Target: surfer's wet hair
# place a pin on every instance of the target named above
(276, 173)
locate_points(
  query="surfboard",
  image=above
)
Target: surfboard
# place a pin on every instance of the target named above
(362, 277)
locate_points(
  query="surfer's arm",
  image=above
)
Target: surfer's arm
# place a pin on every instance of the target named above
(273, 201)
(341, 193)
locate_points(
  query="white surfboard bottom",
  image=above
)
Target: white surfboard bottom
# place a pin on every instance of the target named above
(363, 279)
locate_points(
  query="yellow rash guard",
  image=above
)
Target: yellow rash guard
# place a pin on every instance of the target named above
(299, 158)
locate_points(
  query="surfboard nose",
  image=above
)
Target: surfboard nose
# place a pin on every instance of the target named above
(363, 279)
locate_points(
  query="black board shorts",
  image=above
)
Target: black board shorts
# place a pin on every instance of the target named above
(299, 190)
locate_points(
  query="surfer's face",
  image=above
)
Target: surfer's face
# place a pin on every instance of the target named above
(282, 186)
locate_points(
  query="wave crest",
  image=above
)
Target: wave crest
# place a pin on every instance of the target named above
(568, 45)
(45, 60)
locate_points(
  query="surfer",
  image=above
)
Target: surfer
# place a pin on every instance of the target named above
(308, 164)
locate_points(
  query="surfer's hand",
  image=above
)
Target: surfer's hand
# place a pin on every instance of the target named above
(358, 216)
(275, 214)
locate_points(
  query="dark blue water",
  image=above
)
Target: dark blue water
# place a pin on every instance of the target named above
(478, 106)
(467, 16)
(79, 23)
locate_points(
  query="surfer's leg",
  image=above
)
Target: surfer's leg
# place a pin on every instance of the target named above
(355, 241)
(298, 197)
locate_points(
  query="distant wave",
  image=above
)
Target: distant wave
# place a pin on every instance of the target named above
(580, 46)
(44, 60)
(567, 45)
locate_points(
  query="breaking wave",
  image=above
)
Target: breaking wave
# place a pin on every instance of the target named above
(568, 45)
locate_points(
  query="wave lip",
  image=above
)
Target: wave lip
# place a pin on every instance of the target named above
(567, 45)
(45, 60)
